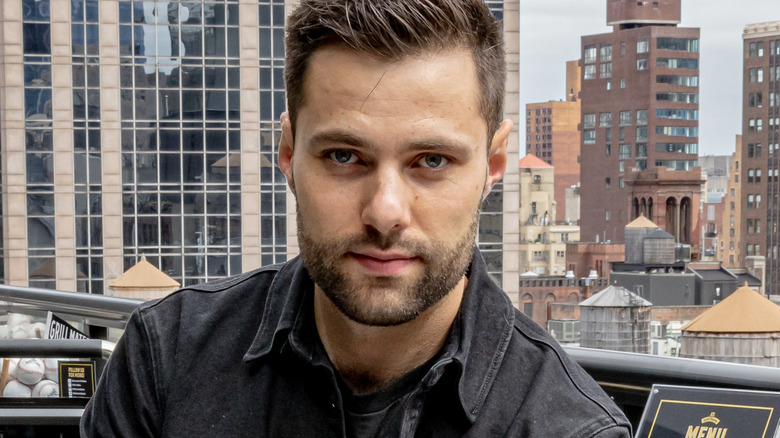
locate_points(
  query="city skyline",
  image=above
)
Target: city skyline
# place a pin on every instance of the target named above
(544, 50)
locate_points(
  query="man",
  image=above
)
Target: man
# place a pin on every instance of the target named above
(388, 324)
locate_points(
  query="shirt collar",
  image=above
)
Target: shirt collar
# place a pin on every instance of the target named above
(476, 345)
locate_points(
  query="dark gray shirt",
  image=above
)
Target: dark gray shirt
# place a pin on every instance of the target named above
(242, 357)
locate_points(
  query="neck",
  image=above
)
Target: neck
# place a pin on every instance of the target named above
(369, 358)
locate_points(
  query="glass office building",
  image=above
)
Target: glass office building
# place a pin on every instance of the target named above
(141, 128)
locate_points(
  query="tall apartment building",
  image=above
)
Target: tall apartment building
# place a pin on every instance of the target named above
(551, 134)
(640, 94)
(761, 140)
(132, 128)
(731, 221)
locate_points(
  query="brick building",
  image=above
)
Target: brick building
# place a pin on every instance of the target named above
(552, 135)
(761, 140)
(639, 125)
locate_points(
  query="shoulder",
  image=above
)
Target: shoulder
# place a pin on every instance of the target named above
(232, 307)
(551, 394)
(227, 294)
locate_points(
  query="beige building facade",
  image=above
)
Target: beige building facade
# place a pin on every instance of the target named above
(729, 248)
(543, 242)
(137, 127)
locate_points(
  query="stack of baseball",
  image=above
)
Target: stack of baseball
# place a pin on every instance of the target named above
(22, 327)
(31, 377)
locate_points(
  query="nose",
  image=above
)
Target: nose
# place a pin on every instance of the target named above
(386, 206)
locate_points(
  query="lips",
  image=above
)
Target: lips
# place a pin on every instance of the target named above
(383, 264)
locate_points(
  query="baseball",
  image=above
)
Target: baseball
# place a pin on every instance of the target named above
(30, 371)
(16, 389)
(51, 371)
(15, 319)
(20, 331)
(46, 388)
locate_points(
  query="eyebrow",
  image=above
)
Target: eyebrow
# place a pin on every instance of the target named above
(440, 145)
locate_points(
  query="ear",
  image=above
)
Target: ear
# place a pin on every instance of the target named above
(286, 151)
(497, 157)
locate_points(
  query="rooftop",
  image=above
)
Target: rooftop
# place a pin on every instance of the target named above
(144, 275)
(744, 311)
(616, 296)
(531, 161)
(641, 222)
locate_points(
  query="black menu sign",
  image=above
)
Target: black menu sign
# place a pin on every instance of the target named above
(690, 412)
(77, 379)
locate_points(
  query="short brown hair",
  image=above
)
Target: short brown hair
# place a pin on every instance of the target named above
(394, 29)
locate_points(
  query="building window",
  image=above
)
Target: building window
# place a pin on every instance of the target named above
(678, 97)
(607, 182)
(760, 48)
(625, 118)
(621, 182)
(589, 136)
(641, 117)
(690, 45)
(589, 72)
(606, 215)
(677, 114)
(606, 52)
(622, 83)
(622, 166)
(625, 151)
(687, 81)
(681, 148)
(755, 100)
(752, 125)
(607, 134)
(642, 45)
(589, 120)
(689, 63)
(622, 49)
(607, 149)
(605, 119)
(641, 134)
(641, 150)
(605, 70)
(590, 54)
(641, 64)
(678, 131)
(751, 175)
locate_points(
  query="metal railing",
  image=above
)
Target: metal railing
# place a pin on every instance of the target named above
(98, 310)
(627, 377)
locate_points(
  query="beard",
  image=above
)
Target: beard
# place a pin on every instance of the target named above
(385, 300)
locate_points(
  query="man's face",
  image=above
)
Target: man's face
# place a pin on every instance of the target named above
(389, 168)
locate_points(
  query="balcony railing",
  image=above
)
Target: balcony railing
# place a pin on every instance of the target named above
(628, 377)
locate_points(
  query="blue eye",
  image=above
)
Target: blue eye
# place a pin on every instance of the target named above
(433, 161)
(343, 156)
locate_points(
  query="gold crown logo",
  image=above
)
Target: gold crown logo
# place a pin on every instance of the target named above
(710, 419)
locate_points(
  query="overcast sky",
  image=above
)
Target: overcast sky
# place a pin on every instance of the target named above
(550, 32)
